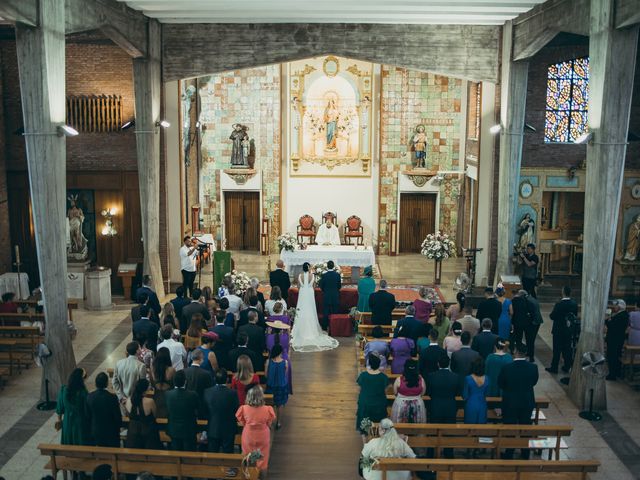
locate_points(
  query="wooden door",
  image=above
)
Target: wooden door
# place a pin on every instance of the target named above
(242, 220)
(417, 219)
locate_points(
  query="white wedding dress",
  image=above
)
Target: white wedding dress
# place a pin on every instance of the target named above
(307, 336)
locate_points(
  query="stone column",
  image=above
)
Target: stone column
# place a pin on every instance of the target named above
(147, 84)
(41, 63)
(612, 59)
(513, 101)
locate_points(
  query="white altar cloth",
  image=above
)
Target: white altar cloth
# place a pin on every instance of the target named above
(342, 255)
(9, 283)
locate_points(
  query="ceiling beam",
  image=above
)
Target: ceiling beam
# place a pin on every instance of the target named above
(20, 11)
(627, 13)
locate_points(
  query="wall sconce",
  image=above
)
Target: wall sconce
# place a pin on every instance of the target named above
(109, 230)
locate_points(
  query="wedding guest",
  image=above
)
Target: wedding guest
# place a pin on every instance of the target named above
(235, 302)
(378, 347)
(276, 372)
(154, 303)
(563, 315)
(182, 415)
(193, 337)
(485, 341)
(195, 306)
(225, 342)
(494, 365)
(257, 360)
(634, 327)
(143, 300)
(103, 413)
(8, 305)
(409, 326)
(168, 314)
(275, 296)
(401, 349)
(408, 406)
(469, 322)
(224, 316)
(162, 374)
(278, 334)
(388, 445)
(244, 378)
(443, 387)
(475, 394)
(423, 305)
(491, 308)
(142, 431)
(180, 301)
(504, 321)
(127, 372)
(255, 334)
(256, 418)
(279, 314)
(430, 354)
(221, 403)
(145, 328)
(366, 286)
(254, 306)
(71, 410)
(209, 302)
(176, 349)
(280, 278)
(255, 284)
(452, 342)
(372, 399)
(616, 331)
(462, 360)
(441, 323)
(209, 359)
(454, 311)
(145, 354)
(382, 304)
(198, 379)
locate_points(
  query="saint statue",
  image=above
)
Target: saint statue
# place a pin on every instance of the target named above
(239, 151)
(328, 233)
(633, 241)
(526, 229)
(78, 249)
(419, 145)
(331, 122)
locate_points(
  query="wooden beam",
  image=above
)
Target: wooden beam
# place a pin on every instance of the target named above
(20, 11)
(462, 51)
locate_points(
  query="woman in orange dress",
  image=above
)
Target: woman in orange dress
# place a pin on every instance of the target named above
(256, 418)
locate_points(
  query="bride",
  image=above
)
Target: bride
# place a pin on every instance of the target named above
(307, 336)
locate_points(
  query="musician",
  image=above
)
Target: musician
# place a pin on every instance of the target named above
(188, 256)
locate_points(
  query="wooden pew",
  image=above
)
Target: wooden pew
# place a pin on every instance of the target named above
(365, 317)
(15, 319)
(27, 338)
(630, 361)
(165, 438)
(263, 378)
(492, 469)
(71, 305)
(366, 330)
(492, 404)
(161, 463)
(439, 436)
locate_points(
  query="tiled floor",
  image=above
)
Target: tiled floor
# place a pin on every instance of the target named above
(102, 337)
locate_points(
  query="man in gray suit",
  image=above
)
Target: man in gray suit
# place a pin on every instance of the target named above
(127, 373)
(462, 359)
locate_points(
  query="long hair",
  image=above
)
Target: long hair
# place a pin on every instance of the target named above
(410, 373)
(461, 298)
(196, 326)
(160, 364)
(276, 293)
(207, 294)
(244, 369)
(390, 445)
(440, 314)
(75, 383)
(168, 310)
(305, 266)
(140, 389)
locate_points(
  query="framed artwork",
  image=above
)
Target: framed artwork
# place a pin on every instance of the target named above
(526, 189)
(635, 191)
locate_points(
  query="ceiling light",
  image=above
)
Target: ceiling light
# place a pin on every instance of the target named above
(530, 127)
(584, 138)
(127, 125)
(163, 124)
(495, 129)
(66, 131)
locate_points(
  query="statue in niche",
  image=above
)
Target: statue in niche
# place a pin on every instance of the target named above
(78, 248)
(633, 241)
(241, 146)
(526, 231)
(419, 146)
(331, 122)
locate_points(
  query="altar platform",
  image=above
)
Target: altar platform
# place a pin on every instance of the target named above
(353, 256)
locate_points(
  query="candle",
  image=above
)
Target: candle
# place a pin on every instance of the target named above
(17, 254)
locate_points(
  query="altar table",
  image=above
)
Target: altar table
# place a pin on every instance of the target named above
(10, 282)
(342, 255)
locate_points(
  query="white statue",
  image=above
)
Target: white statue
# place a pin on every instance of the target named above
(526, 229)
(78, 248)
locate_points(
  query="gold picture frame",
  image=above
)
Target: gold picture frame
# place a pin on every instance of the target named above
(331, 66)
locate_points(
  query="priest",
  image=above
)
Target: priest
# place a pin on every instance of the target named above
(328, 233)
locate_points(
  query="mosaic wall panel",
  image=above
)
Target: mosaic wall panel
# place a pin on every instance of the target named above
(411, 98)
(250, 97)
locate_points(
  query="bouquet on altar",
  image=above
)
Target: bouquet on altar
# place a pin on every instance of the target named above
(288, 242)
(240, 281)
(438, 246)
(319, 269)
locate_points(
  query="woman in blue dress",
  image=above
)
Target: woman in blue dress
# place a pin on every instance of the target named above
(475, 394)
(277, 383)
(366, 286)
(504, 322)
(278, 334)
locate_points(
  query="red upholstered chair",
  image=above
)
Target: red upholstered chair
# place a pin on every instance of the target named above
(353, 229)
(306, 228)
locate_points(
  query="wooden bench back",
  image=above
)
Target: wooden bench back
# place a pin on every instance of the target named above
(165, 463)
(14, 319)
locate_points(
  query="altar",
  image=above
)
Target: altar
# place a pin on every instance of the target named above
(353, 256)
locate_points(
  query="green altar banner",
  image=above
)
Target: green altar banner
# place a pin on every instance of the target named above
(221, 265)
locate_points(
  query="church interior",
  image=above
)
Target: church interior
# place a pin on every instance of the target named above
(465, 149)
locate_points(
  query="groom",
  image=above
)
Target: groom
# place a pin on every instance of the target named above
(330, 285)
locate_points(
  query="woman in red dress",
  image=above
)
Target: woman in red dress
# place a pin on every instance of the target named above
(244, 378)
(256, 418)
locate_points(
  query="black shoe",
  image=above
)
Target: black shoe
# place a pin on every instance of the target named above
(552, 370)
(566, 369)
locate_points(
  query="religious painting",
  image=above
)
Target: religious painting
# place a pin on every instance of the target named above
(330, 117)
(81, 225)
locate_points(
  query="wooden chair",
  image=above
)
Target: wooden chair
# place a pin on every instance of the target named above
(353, 229)
(306, 229)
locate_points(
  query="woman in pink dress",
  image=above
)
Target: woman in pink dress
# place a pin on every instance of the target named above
(256, 418)
(423, 305)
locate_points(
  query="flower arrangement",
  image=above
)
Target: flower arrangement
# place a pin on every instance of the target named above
(288, 242)
(438, 246)
(366, 425)
(240, 281)
(319, 269)
(291, 313)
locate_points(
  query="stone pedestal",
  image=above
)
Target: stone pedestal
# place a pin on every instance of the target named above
(76, 279)
(98, 289)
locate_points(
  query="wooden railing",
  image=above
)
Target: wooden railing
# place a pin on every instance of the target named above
(95, 113)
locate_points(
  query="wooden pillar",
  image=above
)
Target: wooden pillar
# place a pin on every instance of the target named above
(512, 107)
(41, 63)
(612, 58)
(147, 84)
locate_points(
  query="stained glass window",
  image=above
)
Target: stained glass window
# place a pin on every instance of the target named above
(567, 98)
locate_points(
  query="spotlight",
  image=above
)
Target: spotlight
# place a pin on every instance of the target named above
(163, 124)
(128, 125)
(66, 131)
(495, 129)
(19, 131)
(584, 138)
(530, 127)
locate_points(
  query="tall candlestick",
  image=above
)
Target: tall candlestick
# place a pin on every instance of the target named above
(17, 254)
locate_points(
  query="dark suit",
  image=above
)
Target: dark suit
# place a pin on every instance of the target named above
(221, 403)
(135, 315)
(189, 310)
(381, 304)
(484, 343)
(490, 308)
(244, 317)
(257, 341)
(410, 328)
(516, 380)
(256, 360)
(224, 344)
(154, 303)
(182, 409)
(103, 412)
(561, 332)
(461, 361)
(428, 362)
(198, 380)
(147, 329)
(178, 304)
(330, 285)
(443, 386)
(280, 278)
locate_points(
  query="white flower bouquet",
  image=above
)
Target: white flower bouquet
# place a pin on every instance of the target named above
(438, 246)
(319, 269)
(288, 242)
(240, 281)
